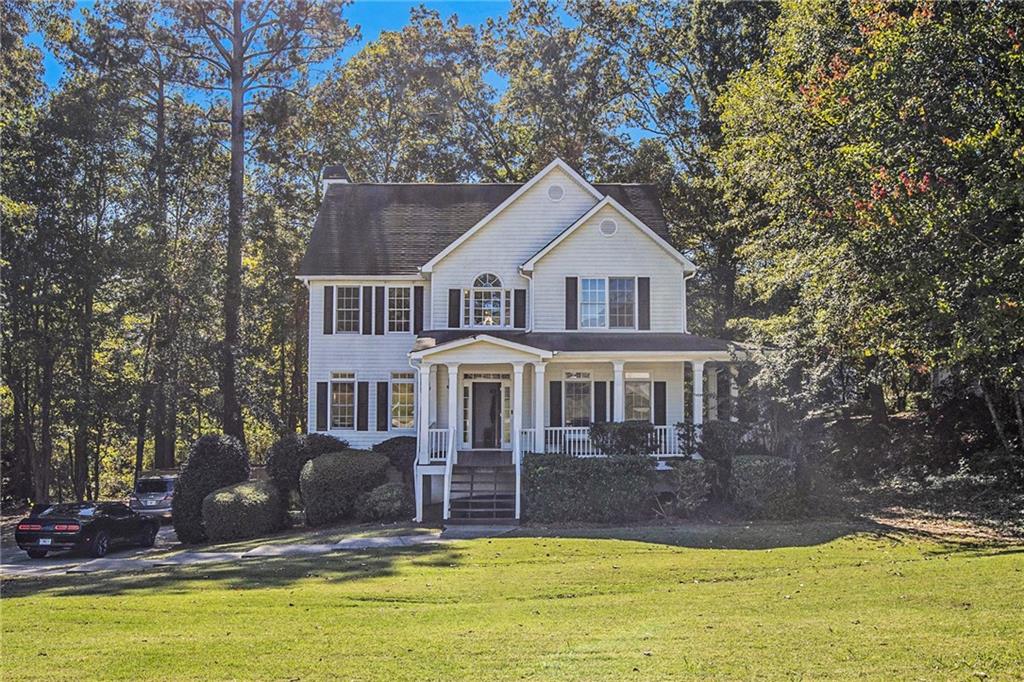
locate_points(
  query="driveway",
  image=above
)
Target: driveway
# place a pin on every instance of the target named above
(14, 561)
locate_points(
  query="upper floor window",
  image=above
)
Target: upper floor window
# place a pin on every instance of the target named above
(399, 309)
(608, 303)
(487, 304)
(346, 318)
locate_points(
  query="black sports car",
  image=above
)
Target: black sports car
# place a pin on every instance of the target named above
(91, 526)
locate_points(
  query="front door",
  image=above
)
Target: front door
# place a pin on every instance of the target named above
(486, 414)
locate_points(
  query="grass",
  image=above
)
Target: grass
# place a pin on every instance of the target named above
(775, 601)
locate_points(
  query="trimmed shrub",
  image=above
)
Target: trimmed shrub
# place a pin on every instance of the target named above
(691, 486)
(332, 483)
(388, 502)
(720, 442)
(557, 488)
(244, 510)
(763, 487)
(401, 452)
(623, 439)
(214, 461)
(289, 454)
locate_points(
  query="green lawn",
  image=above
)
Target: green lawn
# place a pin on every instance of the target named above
(727, 603)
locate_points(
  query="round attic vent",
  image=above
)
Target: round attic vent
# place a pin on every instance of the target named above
(555, 192)
(609, 227)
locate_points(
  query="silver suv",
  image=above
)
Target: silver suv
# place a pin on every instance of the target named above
(153, 495)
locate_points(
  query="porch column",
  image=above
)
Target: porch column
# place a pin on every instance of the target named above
(423, 412)
(619, 389)
(698, 396)
(517, 424)
(418, 487)
(712, 393)
(734, 394)
(538, 406)
(454, 417)
(432, 412)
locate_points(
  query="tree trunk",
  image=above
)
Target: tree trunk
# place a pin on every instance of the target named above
(997, 420)
(1019, 411)
(83, 400)
(231, 415)
(876, 398)
(42, 462)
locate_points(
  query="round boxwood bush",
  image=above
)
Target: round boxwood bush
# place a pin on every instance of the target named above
(214, 461)
(243, 510)
(763, 487)
(401, 451)
(388, 502)
(289, 454)
(332, 483)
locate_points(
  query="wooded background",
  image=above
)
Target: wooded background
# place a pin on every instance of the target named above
(848, 178)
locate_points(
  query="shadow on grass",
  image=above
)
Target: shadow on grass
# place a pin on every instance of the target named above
(245, 574)
(762, 535)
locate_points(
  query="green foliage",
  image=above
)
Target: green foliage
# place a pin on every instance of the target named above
(387, 502)
(763, 487)
(624, 439)
(332, 483)
(401, 452)
(290, 453)
(690, 486)
(214, 461)
(561, 489)
(243, 510)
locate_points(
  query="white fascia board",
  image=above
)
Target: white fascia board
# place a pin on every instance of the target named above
(687, 264)
(478, 338)
(363, 278)
(557, 163)
(652, 356)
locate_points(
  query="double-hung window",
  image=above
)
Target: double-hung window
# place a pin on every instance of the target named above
(403, 400)
(579, 399)
(638, 400)
(487, 304)
(399, 309)
(346, 305)
(343, 400)
(608, 303)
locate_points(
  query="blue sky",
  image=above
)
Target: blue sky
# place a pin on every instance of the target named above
(372, 16)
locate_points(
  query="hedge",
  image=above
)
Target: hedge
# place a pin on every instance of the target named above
(388, 502)
(332, 483)
(557, 488)
(244, 510)
(289, 454)
(624, 439)
(690, 486)
(763, 487)
(401, 452)
(214, 461)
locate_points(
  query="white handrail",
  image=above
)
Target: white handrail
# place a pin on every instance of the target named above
(437, 445)
(527, 440)
(448, 463)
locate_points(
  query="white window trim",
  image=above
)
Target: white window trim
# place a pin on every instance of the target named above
(508, 308)
(387, 309)
(331, 381)
(650, 387)
(466, 405)
(607, 303)
(359, 308)
(391, 405)
(565, 382)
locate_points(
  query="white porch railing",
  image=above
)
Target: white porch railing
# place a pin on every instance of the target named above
(527, 440)
(449, 462)
(575, 441)
(437, 445)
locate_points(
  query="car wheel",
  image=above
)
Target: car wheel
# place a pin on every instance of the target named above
(36, 553)
(149, 535)
(100, 544)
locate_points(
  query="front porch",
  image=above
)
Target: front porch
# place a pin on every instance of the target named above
(491, 395)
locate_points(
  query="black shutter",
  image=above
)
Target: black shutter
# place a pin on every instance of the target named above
(555, 398)
(600, 401)
(367, 310)
(643, 299)
(328, 310)
(571, 309)
(362, 406)
(660, 418)
(417, 305)
(611, 401)
(382, 406)
(379, 311)
(519, 308)
(454, 305)
(321, 406)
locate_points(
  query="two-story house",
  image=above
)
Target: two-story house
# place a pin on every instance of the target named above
(492, 321)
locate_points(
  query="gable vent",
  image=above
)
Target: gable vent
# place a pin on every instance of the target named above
(556, 192)
(609, 227)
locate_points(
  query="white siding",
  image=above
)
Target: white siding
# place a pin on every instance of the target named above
(669, 372)
(588, 253)
(373, 358)
(509, 240)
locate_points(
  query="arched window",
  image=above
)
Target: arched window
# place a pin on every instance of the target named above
(487, 304)
(487, 281)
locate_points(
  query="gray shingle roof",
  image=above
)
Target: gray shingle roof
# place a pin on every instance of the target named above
(579, 342)
(393, 229)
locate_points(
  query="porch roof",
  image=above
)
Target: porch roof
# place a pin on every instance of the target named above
(586, 342)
